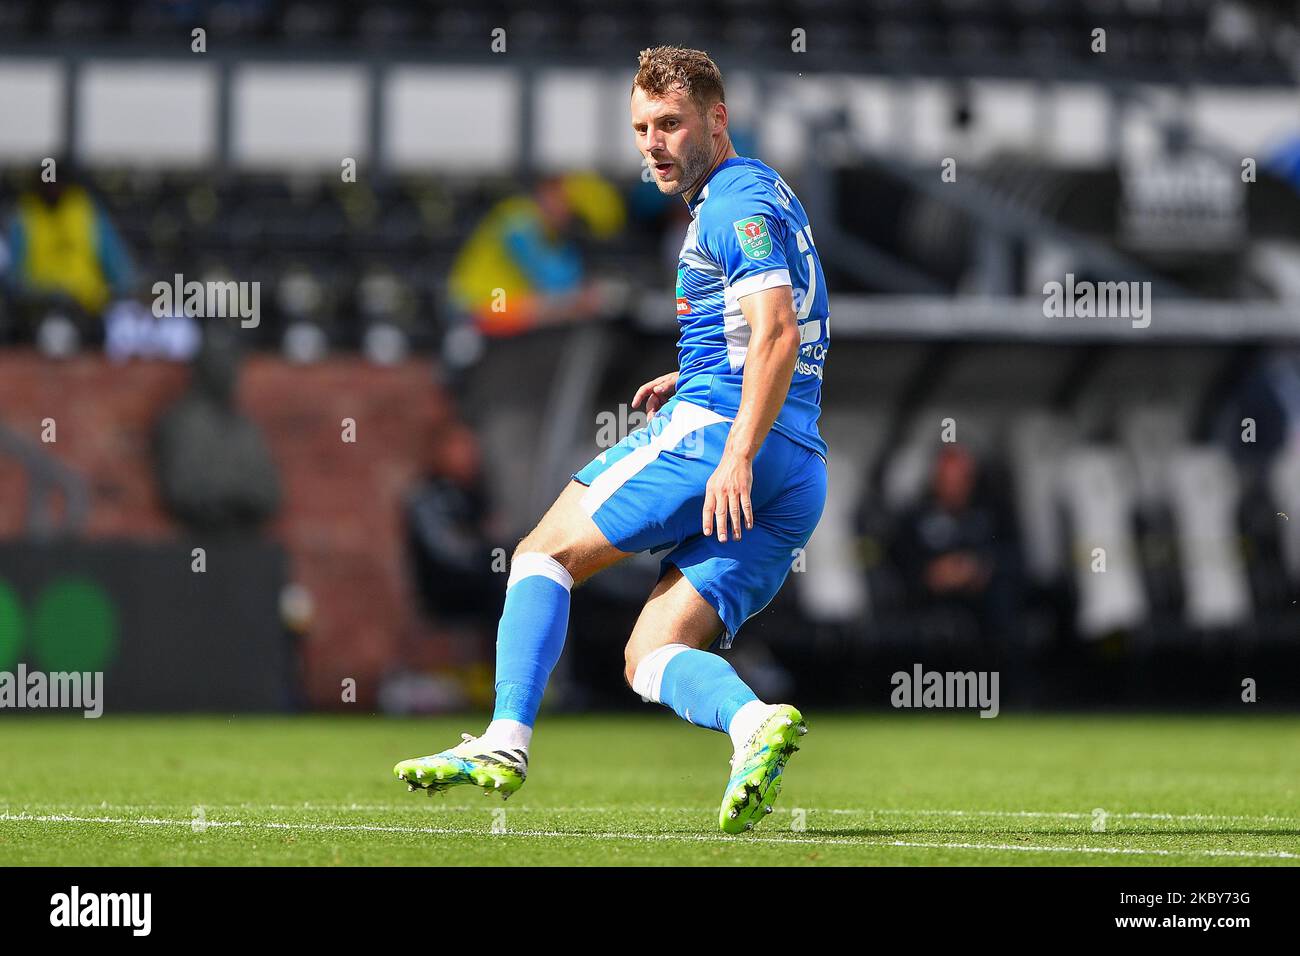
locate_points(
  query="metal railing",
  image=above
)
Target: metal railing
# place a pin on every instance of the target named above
(45, 475)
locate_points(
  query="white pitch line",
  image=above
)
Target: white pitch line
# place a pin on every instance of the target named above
(1077, 815)
(651, 837)
(1261, 854)
(427, 806)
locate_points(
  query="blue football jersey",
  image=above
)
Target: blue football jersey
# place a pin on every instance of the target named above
(748, 233)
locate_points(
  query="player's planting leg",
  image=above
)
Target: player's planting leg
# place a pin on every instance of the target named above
(530, 639)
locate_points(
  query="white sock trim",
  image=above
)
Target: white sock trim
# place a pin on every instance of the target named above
(746, 720)
(507, 734)
(534, 562)
(649, 676)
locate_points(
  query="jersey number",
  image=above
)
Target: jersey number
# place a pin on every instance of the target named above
(808, 331)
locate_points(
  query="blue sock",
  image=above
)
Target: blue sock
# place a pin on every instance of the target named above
(531, 635)
(699, 686)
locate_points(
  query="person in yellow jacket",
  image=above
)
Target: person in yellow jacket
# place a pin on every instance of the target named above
(521, 267)
(64, 249)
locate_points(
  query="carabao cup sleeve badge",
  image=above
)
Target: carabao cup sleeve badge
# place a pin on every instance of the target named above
(755, 240)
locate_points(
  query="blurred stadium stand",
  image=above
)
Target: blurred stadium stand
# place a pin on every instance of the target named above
(1190, 36)
(1088, 433)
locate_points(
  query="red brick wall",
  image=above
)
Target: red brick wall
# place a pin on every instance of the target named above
(340, 518)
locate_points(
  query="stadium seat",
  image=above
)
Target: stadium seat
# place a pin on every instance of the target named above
(1100, 497)
(1204, 494)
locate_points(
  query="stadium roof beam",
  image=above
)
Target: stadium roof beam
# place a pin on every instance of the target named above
(1188, 320)
(1002, 318)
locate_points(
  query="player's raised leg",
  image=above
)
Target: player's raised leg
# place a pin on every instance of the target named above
(666, 662)
(564, 549)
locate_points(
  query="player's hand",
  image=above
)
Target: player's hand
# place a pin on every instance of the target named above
(726, 496)
(655, 392)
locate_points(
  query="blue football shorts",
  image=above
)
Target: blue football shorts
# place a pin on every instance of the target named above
(647, 494)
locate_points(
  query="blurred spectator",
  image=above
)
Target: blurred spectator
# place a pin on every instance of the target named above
(1285, 162)
(451, 534)
(947, 545)
(1268, 395)
(4, 287)
(522, 267)
(214, 467)
(132, 330)
(66, 254)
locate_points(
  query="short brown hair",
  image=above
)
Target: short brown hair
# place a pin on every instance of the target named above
(667, 69)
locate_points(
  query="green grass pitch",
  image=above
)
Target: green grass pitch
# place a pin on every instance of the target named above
(644, 789)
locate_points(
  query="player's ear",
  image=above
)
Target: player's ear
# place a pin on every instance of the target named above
(718, 117)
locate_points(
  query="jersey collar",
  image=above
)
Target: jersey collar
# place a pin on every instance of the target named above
(703, 192)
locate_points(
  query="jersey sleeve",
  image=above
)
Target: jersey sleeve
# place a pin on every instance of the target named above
(744, 233)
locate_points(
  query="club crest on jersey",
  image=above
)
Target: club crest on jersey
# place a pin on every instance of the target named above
(755, 240)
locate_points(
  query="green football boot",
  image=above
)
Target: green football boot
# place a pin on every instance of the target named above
(496, 771)
(756, 770)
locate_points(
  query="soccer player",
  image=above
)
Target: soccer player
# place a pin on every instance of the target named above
(728, 475)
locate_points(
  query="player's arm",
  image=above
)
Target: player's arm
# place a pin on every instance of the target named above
(769, 367)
